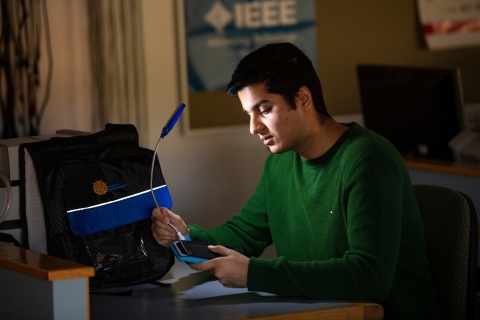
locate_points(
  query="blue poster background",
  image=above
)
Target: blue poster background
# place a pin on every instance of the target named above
(219, 33)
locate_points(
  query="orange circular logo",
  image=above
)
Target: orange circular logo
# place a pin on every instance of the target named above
(100, 187)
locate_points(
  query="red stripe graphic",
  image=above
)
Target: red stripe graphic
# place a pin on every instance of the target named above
(450, 26)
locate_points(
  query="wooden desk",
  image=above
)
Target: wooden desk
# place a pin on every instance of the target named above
(442, 166)
(38, 286)
(198, 295)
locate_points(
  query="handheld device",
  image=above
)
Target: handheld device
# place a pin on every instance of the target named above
(192, 251)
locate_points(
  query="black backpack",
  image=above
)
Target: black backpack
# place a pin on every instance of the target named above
(93, 194)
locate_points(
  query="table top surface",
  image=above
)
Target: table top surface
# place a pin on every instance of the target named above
(198, 295)
(40, 265)
(442, 166)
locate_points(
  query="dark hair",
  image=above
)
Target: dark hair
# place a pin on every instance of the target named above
(283, 69)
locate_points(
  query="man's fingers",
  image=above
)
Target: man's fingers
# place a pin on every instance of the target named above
(231, 269)
(161, 214)
(164, 231)
(162, 218)
(165, 215)
(202, 266)
(210, 264)
(219, 249)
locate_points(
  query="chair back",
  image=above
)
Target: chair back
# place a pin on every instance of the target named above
(451, 227)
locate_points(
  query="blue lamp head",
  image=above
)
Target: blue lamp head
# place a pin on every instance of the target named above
(172, 121)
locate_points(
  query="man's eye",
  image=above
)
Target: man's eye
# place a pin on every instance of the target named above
(265, 111)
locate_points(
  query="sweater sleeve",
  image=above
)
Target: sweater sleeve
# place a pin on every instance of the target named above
(248, 231)
(372, 198)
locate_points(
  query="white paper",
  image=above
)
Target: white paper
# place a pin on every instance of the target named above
(450, 23)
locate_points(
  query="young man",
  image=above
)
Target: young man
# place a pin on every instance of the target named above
(335, 199)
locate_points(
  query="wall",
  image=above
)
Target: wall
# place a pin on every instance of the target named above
(211, 177)
(379, 32)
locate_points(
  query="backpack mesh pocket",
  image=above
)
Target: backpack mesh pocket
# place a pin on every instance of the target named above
(116, 251)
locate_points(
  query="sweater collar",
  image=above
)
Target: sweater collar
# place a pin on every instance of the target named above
(353, 128)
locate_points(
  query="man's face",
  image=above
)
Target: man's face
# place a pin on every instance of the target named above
(278, 126)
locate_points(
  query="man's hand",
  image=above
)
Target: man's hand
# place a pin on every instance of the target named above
(162, 232)
(231, 269)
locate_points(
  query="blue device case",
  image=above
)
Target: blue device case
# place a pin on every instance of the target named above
(187, 259)
(184, 258)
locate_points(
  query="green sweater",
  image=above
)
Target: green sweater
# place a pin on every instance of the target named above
(345, 225)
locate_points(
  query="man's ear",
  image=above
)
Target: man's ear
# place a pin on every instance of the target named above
(303, 98)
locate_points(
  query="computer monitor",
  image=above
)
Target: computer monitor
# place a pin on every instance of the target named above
(418, 109)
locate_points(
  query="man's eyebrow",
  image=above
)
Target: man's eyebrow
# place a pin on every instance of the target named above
(256, 105)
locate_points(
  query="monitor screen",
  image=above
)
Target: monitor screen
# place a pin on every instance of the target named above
(418, 109)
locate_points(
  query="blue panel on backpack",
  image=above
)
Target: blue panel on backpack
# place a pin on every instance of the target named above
(86, 221)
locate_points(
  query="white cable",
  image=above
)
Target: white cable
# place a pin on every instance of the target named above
(180, 236)
(9, 198)
(151, 172)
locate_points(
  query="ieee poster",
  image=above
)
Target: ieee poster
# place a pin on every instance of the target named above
(450, 23)
(219, 33)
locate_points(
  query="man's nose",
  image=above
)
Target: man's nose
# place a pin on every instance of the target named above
(255, 124)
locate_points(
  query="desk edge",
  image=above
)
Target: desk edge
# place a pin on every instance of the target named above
(40, 265)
